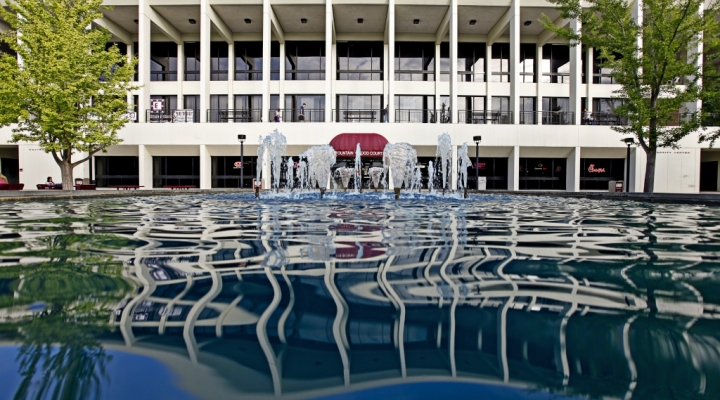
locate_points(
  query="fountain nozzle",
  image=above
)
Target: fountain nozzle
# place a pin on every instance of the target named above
(465, 194)
(397, 193)
(322, 193)
(257, 192)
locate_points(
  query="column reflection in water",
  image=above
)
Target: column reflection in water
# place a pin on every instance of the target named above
(309, 297)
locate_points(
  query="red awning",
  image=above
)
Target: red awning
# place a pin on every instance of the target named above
(371, 144)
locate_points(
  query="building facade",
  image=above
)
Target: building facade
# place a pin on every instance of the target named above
(210, 70)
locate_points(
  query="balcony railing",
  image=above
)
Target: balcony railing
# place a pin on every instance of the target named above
(485, 117)
(293, 115)
(359, 115)
(416, 116)
(557, 117)
(173, 116)
(528, 117)
(236, 115)
(604, 118)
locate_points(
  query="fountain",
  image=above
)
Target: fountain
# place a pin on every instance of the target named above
(289, 178)
(377, 175)
(358, 169)
(401, 159)
(302, 173)
(319, 161)
(444, 153)
(431, 177)
(275, 144)
(463, 164)
(345, 174)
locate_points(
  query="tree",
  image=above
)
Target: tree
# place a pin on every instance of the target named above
(655, 60)
(67, 92)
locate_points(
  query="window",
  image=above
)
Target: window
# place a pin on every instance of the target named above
(305, 61)
(218, 106)
(135, 49)
(500, 103)
(360, 61)
(495, 171)
(471, 62)
(556, 111)
(176, 171)
(192, 61)
(415, 109)
(542, 173)
(500, 63)
(5, 49)
(314, 108)
(225, 174)
(248, 60)
(596, 173)
(471, 109)
(527, 62)
(116, 171)
(602, 75)
(528, 116)
(445, 62)
(414, 61)
(192, 102)
(556, 63)
(248, 108)
(218, 61)
(163, 61)
(603, 111)
(170, 106)
(359, 108)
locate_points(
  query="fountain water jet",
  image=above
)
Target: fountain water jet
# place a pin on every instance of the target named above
(444, 153)
(275, 144)
(431, 177)
(289, 178)
(319, 160)
(463, 164)
(376, 175)
(345, 174)
(401, 159)
(358, 169)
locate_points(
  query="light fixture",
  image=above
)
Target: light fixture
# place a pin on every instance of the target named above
(303, 20)
(241, 138)
(416, 21)
(477, 139)
(472, 22)
(629, 141)
(527, 23)
(247, 20)
(192, 21)
(360, 20)
(135, 21)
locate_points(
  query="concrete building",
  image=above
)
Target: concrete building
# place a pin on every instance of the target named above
(212, 69)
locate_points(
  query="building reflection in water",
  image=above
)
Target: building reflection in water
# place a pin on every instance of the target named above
(312, 303)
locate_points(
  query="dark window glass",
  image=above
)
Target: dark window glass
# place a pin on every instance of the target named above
(163, 61)
(5, 49)
(414, 61)
(176, 171)
(500, 62)
(527, 111)
(218, 61)
(415, 109)
(136, 50)
(192, 61)
(602, 75)
(116, 171)
(596, 173)
(249, 61)
(495, 171)
(192, 102)
(528, 53)
(218, 108)
(556, 63)
(359, 108)
(444, 62)
(226, 174)
(556, 111)
(470, 62)
(360, 61)
(305, 61)
(542, 173)
(500, 103)
(314, 108)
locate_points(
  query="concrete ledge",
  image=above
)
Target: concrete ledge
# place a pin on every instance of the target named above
(52, 195)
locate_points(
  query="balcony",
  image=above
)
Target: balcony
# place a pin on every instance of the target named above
(173, 116)
(485, 117)
(236, 115)
(293, 115)
(359, 115)
(416, 116)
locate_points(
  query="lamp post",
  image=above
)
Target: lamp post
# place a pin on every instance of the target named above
(629, 142)
(477, 140)
(241, 139)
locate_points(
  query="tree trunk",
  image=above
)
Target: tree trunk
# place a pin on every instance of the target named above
(649, 185)
(66, 170)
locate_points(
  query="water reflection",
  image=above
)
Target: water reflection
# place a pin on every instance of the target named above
(286, 298)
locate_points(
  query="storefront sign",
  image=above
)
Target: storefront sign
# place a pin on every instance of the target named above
(594, 170)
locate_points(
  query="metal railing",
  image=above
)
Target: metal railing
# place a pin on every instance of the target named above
(163, 76)
(557, 117)
(485, 117)
(293, 115)
(528, 117)
(305, 75)
(173, 116)
(603, 118)
(236, 115)
(416, 116)
(359, 115)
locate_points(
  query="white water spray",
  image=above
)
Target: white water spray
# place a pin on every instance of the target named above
(275, 144)
(289, 178)
(377, 175)
(401, 159)
(345, 174)
(444, 153)
(431, 177)
(319, 161)
(358, 168)
(463, 164)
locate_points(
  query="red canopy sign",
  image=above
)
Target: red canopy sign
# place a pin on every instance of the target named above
(371, 144)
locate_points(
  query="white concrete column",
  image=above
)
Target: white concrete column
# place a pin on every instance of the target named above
(391, 61)
(514, 60)
(130, 51)
(328, 56)
(438, 90)
(538, 80)
(144, 61)
(638, 158)
(572, 174)
(266, 67)
(145, 168)
(697, 53)
(282, 76)
(181, 74)
(205, 168)
(575, 76)
(589, 78)
(205, 39)
(231, 78)
(488, 74)
(453, 32)
(386, 63)
(514, 169)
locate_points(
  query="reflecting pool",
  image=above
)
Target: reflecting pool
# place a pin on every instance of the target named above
(359, 296)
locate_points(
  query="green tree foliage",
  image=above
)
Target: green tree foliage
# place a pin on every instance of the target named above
(654, 58)
(68, 93)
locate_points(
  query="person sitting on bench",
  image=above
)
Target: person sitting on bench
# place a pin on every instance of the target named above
(50, 183)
